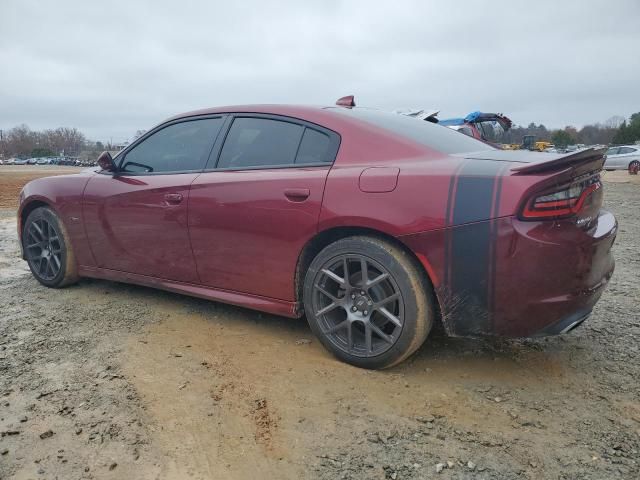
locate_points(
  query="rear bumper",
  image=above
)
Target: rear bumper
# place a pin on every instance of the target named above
(565, 325)
(538, 278)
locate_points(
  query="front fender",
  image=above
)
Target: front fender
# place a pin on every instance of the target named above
(62, 194)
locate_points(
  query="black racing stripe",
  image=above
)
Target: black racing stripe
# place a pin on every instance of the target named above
(474, 198)
(447, 219)
(471, 247)
(493, 246)
(452, 184)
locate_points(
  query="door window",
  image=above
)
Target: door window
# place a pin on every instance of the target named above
(260, 142)
(624, 150)
(180, 147)
(315, 147)
(612, 151)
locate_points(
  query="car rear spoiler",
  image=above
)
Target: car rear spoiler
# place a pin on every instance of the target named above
(561, 161)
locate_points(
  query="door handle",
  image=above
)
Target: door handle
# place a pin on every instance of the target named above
(297, 194)
(173, 198)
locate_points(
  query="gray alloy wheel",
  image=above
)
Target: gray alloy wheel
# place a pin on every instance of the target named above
(47, 250)
(368, 302)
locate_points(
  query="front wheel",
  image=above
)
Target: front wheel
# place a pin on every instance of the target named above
(47, 249)
(368, 302)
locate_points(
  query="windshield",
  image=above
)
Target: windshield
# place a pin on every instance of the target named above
(437, 137)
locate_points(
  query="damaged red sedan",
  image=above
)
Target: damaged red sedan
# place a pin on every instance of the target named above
(374, 225)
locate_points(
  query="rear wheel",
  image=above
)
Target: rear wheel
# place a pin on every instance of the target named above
(634, 167)
(368, 302)
(47, 249)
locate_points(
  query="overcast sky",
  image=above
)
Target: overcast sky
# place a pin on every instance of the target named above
(110, 68)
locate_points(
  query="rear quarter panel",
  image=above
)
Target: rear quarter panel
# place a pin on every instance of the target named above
(417, 203)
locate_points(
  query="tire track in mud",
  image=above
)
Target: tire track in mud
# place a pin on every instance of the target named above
(216, 418)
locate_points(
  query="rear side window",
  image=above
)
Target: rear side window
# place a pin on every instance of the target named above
(624, 150)
(260, 142)
(178, 147)
(314, 148)
(432, 135)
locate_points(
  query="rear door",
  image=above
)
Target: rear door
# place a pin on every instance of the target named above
(628, 154)
(136, 219)
(258, 204)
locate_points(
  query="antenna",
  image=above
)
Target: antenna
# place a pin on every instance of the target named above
(347, 101)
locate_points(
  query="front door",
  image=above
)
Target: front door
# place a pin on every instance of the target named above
(252, 214)
(136, 219)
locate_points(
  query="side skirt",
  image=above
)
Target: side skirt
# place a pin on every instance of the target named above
(254, 302)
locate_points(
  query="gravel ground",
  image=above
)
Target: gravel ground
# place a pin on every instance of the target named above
(106, 380)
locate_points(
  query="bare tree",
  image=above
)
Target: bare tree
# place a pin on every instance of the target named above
(614, 122)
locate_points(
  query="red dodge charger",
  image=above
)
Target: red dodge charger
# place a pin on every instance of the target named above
(374, 225)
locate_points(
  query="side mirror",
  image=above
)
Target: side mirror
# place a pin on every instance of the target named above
(105, 162)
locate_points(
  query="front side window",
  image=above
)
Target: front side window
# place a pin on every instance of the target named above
(260, 142)
(179, 147)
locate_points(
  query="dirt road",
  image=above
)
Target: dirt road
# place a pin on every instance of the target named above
(105, 380)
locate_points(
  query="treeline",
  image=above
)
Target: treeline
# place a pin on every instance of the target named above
(615, 131)
(597, 134)
(628, 132)
(21, 141)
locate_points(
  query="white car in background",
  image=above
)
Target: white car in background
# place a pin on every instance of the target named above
(623, 157)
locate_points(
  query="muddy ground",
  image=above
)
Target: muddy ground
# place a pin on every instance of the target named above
(106, 380)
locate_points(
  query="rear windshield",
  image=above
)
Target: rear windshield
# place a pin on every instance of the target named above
(435, 136)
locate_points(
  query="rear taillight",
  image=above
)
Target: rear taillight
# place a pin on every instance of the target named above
(561, 203)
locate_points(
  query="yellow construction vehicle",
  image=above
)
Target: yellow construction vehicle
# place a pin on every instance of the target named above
(529, 142)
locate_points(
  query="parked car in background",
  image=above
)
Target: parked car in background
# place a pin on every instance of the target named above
(624, 157)
(374, 225)
(21, 161)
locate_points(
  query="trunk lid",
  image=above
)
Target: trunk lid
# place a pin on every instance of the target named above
(526, 175)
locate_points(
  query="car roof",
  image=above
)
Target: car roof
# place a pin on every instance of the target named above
(324, 116)
(360, 124)
(635, 147)
(299, 111)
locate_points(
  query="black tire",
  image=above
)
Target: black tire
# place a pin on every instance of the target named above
(375, 327)
(47, 249)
